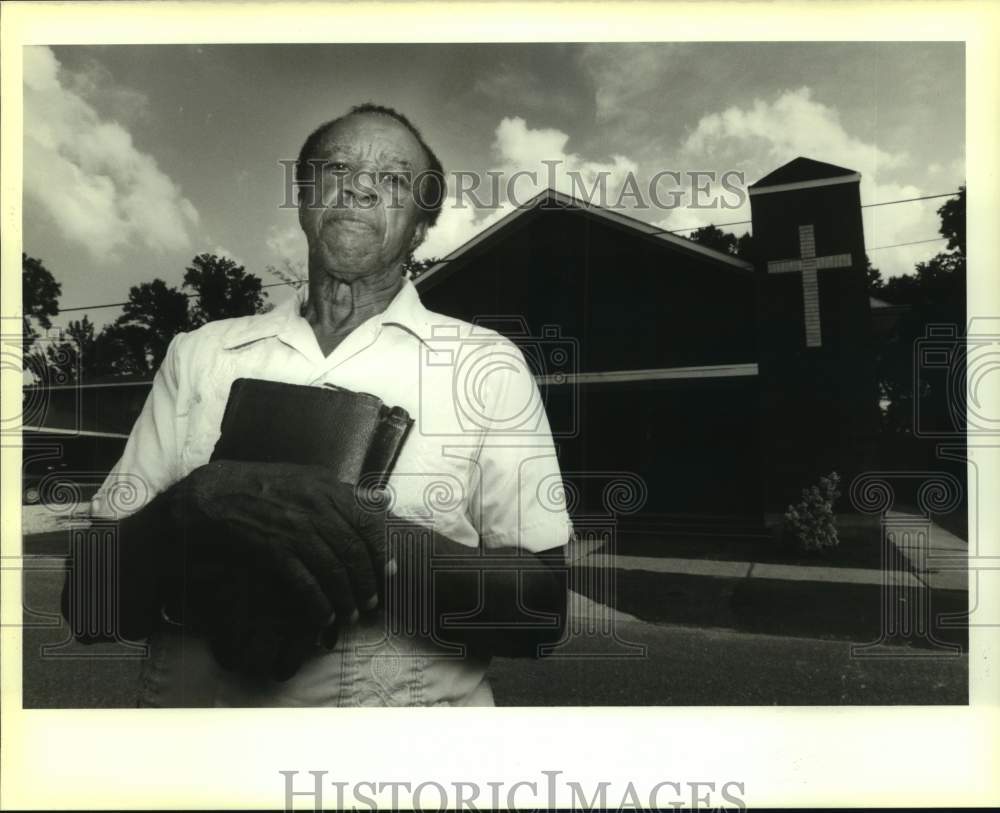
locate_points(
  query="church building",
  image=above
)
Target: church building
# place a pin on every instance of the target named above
(715, 386)
(725, 386)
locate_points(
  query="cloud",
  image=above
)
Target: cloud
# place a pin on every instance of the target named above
(518, 85)
(87, 175)
(766, 134)
(458, 223)
(521, 148)
(685, 220)
(754, 139)
(793, 124)
(286, 243)
(624, 74)
(540, 159)
(222, 251)
(95, 84)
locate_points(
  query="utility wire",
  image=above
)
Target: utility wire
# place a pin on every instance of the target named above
(907, 200)
(863, 206)
(664, 231)
(911, 243)
(189, 296)
(695, 228)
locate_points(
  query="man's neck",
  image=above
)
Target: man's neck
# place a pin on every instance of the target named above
(336, 306)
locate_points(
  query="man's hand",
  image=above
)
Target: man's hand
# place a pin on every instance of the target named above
(299, 521)
(259, 556)
(253, 624)
(264, 558)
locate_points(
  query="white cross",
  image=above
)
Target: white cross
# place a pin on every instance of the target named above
(808, 263)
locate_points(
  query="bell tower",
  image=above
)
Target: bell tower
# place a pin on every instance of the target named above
(819, 401)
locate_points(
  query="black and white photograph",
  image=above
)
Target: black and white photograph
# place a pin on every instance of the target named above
(501, 374)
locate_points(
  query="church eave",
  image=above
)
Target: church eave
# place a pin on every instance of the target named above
(727, 261)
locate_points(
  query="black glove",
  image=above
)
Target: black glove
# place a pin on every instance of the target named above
(257, 557)
(297, 520)
(261, 616)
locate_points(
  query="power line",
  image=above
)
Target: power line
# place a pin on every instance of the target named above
(911, 243)
(276, 284)
(695, 228)
(863, 206)
(93, 307)
(662, 231)
(120, 304)
(907, 200)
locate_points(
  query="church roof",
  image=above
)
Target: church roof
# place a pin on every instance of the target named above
(565, 201)
(802, 170)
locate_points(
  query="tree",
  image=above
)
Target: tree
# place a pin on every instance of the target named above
(222, 289)
(83, 353)
(413, 268)
(714, 237)
(292, 274)
(724, 241)
(746, 248)
(155, 312)
(39, 296)
(952, 214)
(131, 349)
(935, 295)
(873, 277)
(937, 286)
(74, 350)
(153, 315)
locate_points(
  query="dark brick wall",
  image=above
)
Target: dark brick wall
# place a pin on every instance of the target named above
(819, 407)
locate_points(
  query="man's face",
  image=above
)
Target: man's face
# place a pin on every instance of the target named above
(363, 217)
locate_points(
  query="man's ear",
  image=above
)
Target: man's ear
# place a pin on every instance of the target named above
(307, 198)
(419, 233)
(300, 209)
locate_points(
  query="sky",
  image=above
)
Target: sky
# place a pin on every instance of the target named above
(138, 158)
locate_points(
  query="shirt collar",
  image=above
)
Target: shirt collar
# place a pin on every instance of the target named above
(405, 311)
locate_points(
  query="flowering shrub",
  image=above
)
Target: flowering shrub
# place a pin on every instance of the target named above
(811, 524)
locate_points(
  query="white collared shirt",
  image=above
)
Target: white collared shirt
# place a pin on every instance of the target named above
(479, 466)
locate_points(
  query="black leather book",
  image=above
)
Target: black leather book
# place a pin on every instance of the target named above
(354, 432)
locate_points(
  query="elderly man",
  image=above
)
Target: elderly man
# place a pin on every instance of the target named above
(267, 584)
